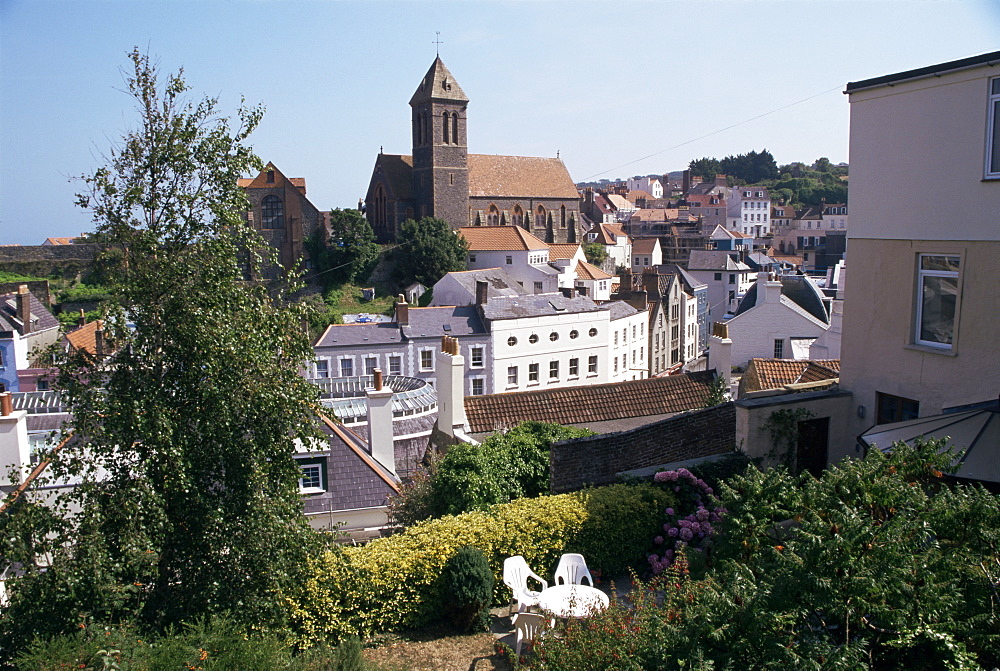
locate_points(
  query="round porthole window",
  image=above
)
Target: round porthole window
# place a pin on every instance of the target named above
(593, 332)
(533, 338)
(553, 336)
(512, 341)
(573, 334)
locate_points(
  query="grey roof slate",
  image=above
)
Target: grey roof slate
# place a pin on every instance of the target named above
(354, 478)
(445, 320)
(360, 334)
(797, 288)
(499, 280)
(537, 305)
(620, 309)
(702, 259)
(8, 314)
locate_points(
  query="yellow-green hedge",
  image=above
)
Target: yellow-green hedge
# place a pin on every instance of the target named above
(392, 583)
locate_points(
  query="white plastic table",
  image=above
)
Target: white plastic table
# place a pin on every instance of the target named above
(572, 600)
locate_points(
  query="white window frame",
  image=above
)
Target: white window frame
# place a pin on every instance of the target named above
(592, 365)
(306, 486)
(922, 275)
(395, 364)
(480, 382)
(511, 376)
(430, 354)
(574, 367)
(554, 370)
(373, 366)
(477, 356)
(348, 360)
(325, 363)
(991, 167)
(533, 373)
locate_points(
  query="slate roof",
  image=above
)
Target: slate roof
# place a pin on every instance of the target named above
(595, 403)
(398, 170)
(42, 319)
(690, 281)
(438, 84)
(354, 478)
(445, 320)
(500, 239)
(764, 374)
(799, 289)
(499, 280)
(536, 305)
(701, 259)
(620, 309)
(519, 177)
(586, 271)
(360, 334)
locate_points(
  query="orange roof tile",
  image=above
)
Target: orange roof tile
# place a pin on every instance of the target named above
(595, 403)
(83, 338)
(562, 250)
(519, 176)
(500, 238)
(762, 374)
(586, 271)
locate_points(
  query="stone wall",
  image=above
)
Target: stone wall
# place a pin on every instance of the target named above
(596, 459)
(47, 260)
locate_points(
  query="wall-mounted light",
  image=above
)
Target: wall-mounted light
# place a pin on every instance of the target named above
(861, 411)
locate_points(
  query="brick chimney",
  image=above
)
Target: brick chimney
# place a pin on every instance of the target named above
(99, 346)
(379, 402)
(686, 182)
(482, 292)
(402, 311)
(24, 308)
(82, 319)
(15, 450)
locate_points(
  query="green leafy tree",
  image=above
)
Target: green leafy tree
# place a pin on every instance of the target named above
(505, 466)
(750, 168)
(428, 249)
(595, 252)
(706, 168)
(348, 252)
(188, 502)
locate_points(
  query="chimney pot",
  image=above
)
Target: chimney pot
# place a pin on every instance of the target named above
(378, 379)
(402, 311)
(99, 340)
(6, 404)
(82, 319)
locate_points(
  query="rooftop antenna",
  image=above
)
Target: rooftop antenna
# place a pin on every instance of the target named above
(437, 43)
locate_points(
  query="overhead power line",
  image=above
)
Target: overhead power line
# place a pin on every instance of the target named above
(714, 132)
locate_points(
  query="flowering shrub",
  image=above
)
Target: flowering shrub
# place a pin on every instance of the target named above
(690, 532)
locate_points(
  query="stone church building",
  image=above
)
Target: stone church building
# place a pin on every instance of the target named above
(281, 213)
(441, 179)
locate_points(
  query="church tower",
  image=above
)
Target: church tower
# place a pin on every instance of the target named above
(440, 148)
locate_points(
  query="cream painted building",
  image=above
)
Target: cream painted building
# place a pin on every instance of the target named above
(920, 310)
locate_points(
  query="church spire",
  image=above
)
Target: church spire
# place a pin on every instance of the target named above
(438, 85)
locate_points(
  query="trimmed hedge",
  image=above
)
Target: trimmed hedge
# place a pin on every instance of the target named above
(394, 583)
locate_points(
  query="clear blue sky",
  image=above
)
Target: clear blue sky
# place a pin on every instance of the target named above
(603, 83)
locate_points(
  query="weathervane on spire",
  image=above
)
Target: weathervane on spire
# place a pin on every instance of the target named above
(437, 43)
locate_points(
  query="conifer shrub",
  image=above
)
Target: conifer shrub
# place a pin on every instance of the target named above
(467, 584)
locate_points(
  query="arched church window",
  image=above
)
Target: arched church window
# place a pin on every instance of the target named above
(562, 217)
(493, 216)
(379, 210)
(446, 127)
(518, 219)
(417, 139)
(454, 127)
(540, 217)
(428, 137)
(272, 212)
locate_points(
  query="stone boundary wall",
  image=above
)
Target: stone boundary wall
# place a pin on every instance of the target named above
(40, 289)
(48, 260)
(595, 460)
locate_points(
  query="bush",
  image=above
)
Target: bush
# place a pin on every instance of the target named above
(467, 583)
(393, 583)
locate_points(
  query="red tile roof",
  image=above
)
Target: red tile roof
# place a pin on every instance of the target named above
(500, 238)
(585, 271)
(762, 374)
(519, 176)
(595, 403)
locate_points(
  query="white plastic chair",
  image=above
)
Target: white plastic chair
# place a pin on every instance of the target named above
(572, 570)
(529, 627)
(515, 576)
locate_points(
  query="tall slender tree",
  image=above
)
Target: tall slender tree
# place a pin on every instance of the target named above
(188, 500)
